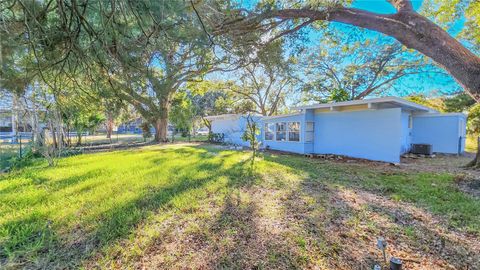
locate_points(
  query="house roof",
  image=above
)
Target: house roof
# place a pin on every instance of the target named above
(373, 102)
(280, 116)
(442, 115)
(232, 116)
(223, 116)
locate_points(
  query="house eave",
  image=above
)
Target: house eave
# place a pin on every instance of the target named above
(371, 103)
(281, 116)
(222, 117)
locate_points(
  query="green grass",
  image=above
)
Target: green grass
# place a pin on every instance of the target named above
(131, 138)
(436, 192)
(102, 139)
(198, 138)
(96, 210)
(7, 153)
(98, 196)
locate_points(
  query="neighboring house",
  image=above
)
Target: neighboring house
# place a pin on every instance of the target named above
(377, 129)
(202, 131)
(22, 120)
(135, 127)
(5, 120)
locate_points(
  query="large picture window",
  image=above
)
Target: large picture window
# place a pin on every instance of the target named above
(294, 131)
(281, 131)
(269, 131)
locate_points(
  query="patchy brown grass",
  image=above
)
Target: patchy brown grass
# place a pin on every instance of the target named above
(286, 218)
(299, 213)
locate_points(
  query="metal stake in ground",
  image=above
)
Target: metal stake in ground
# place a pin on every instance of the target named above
(20, 145)
(382, 244)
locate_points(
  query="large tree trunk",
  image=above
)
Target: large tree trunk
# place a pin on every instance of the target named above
(161, 124)
(475, 163)
(53, 133)
(161, 128)
(109, 125)
(79, 138)
(408, 27)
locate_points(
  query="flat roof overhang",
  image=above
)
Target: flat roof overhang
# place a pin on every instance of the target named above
(374, 103)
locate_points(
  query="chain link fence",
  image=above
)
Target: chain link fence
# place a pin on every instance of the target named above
(15, 146)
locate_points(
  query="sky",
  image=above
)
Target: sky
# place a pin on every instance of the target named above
(429, 84)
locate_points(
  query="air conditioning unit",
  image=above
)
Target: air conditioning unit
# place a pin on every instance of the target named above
(422, 149)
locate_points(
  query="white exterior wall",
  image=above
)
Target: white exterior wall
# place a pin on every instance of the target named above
(233, 128)
(369, 134)
(445, 132)
(406, 131)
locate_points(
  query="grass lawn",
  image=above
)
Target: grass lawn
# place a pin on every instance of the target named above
(102, 139)
(131, 138)
(200, 206)
(7, 153)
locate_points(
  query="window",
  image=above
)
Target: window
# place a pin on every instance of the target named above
(309, 132)
(269, 131)
(294, 131)
(281, 131)
(410, 121)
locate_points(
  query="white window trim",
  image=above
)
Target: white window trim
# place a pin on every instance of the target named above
(286, 132)
(299, 131)
(274, 132)
(306, 131)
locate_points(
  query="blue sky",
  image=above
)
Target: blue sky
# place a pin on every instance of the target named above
(428, 84)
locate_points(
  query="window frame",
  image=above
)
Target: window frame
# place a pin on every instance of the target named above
(273, 131)
(299, 131)
(307, 131)
(285, 131)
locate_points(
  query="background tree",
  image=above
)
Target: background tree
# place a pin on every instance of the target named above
(112, 108)
(266, 81)
(340, 71)
(414, 31)
(214, 97)
(170, 57)
(250, 135)
(459, 102)
(182, 113)
(436, 103)
(143, 50)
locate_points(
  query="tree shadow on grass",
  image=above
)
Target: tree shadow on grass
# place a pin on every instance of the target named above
(242, 240)
(353, 217)
(244, 243)
(56, 249)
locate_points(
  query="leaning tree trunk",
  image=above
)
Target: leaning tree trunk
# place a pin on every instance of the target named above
(475, 163)
(407, 26)
(109, 125)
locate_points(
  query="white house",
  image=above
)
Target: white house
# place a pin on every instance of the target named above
(377, 129)
(232, 126)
